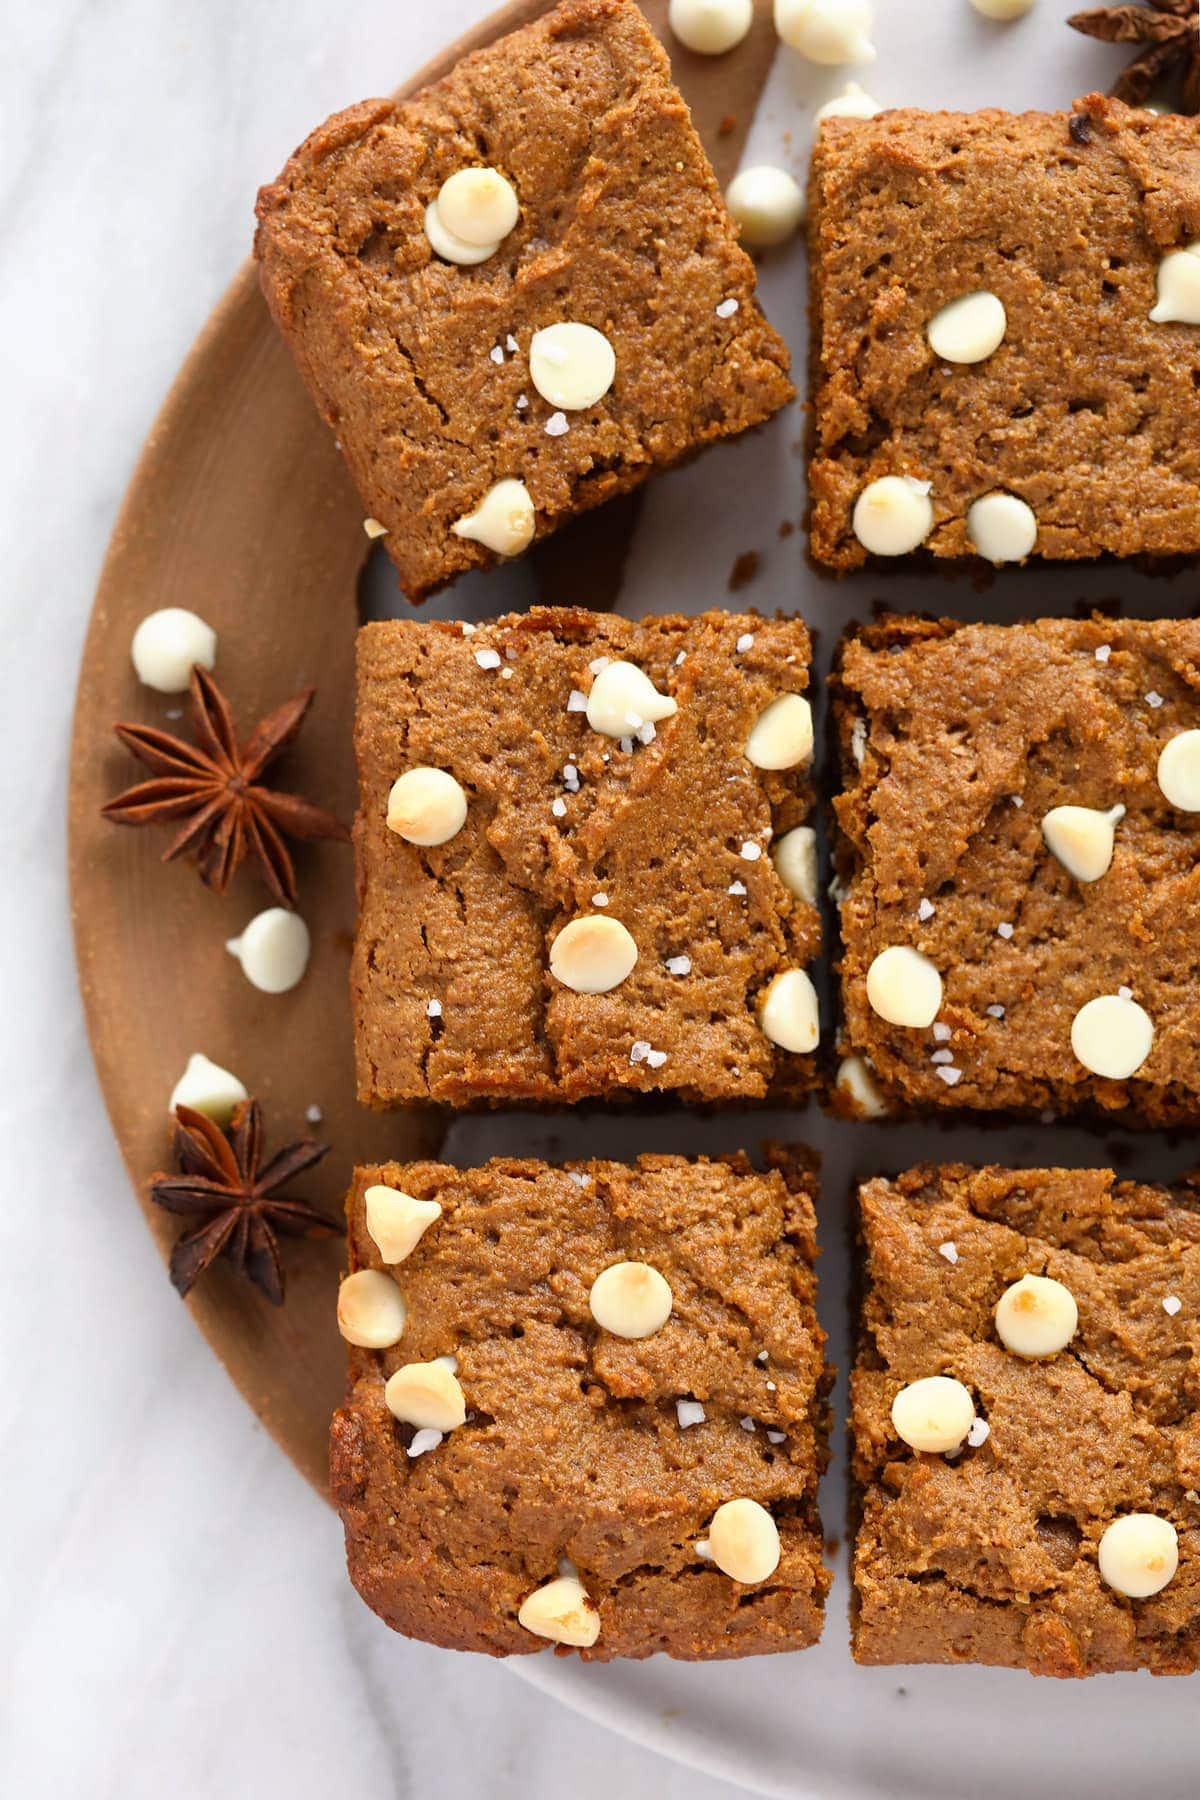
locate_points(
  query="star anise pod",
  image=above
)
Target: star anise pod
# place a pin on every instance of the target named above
(213, 787)
(1168, 32)
(222, 1178)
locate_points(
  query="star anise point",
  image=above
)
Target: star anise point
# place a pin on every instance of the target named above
(1168, 33)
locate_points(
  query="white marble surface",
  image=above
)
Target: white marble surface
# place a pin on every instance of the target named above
(173, 1611)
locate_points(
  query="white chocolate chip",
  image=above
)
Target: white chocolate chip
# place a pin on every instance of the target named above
(593, 955)
(893, 516)
(572, 366)
(370, 1310)
(795, 860)
(933, 1414)
(427, 806)
(396, 1221)
(450, 248)
(623, 698)
(374, 529)
(851, 103)
(631, 1300)
(782, 734)
(478, 207)
(426, 1395)
(562, 1612)
(1139, 1554)
(689, 1412)
(1082, 839)
(1112, 1036)
(1003, 10)
(1179, 771)
(1179, 288)
(903, 987)
(827, 31)
(710, 27)
(504, 520)
(766, 204)
(969, 329)
(788, 1012)
(1002, 528)
(854, 1079)
(168, 645)
(1036, 1317)
(743, 1541)
(273, 950)
(208, 1089)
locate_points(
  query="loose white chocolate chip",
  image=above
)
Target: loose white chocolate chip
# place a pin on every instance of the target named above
(426, 806)
(827, 31)
(903, 987)
(273, 950)
(1178, 288)
(933, 1414)
(572, 366)
(1002, 528)
(370, 1310)
(710, 27)
(478, 207)
(1139, 1554)
(168, 645)
(1036, 1317)
(795, 859)
(562, 1612)
(969, 329)
(593, 955)
(782, 734)
(504, 520)
(1112, 1036)
(893, 516)
(743, 1541)
(623, 699)
(397, 1222)
(426, 1395)
(1003, 9)
(766, 204)
(788, 1012)
(631, 1300)
(851, 103)
(209, 1089)
(450, 248)
(1082, 839)
(855, 1081)
(1179, 771)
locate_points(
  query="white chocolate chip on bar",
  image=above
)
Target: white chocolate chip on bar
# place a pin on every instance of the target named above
(209, 1089)
(1082, 838)
(795, 859)
(969, 329)
(1003, 10)
(593, 955)
(504, 520)
(450, 248)
(478, 207)
(1036, 1317)
(1112, 1036)
(782, 734)
(273, 950)
(743, 1541)
(426, 807)
(903, 987)
(851, 103)
(396, 1221)
(572, 366)
(1178, 288)
(827, 31)
(623, 699)
(1179, 771)
(631, 1300)
(168, 645)
(855, 1081)
(766, 204)
(710, 27)
(562, 1612)
(370, 1310)
(1139, 1554)
(426, 1395)
(933, 1414)
(1002, 528)
(788, 1012)
(893, 516)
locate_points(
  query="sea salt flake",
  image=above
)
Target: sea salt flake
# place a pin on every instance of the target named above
(467, 629)
(942, 1032)
(506, 674)
(689, 1412)
(576, 701)
(646, 732)
(751, 851)
(1172, 1304)
(313, 1114)
(1124, 993)
(1017, 800)
(597, 663)
(580, 1179)
(423, 1440)
(995, 1010)
(556, 425)
(496, 354)
(951, 1077)
(433, 1009)
(949, 1250)
(488, 659)
(1154, 699)
(639, 1051)
(679, 965)
(1004, 930)
(726, 309)
(858, 741)
(926, 910)
(1103, 652)
(656, 1058)
(770, 1387)
(599, 899)
(746, 641)
(522, 402)
(681, 658)
(559, 808)
(511, 344)
(763, 1356)
(737, 887)
(625, 744)
(776, 1437)
(942, 1056)
(747, 1424)
(979, 1433)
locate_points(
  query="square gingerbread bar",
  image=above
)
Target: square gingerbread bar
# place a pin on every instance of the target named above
(1019, 863)
(1047, 1516)
(616, 896)
(422, 365)
(1062, 402)
(620, 1447)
